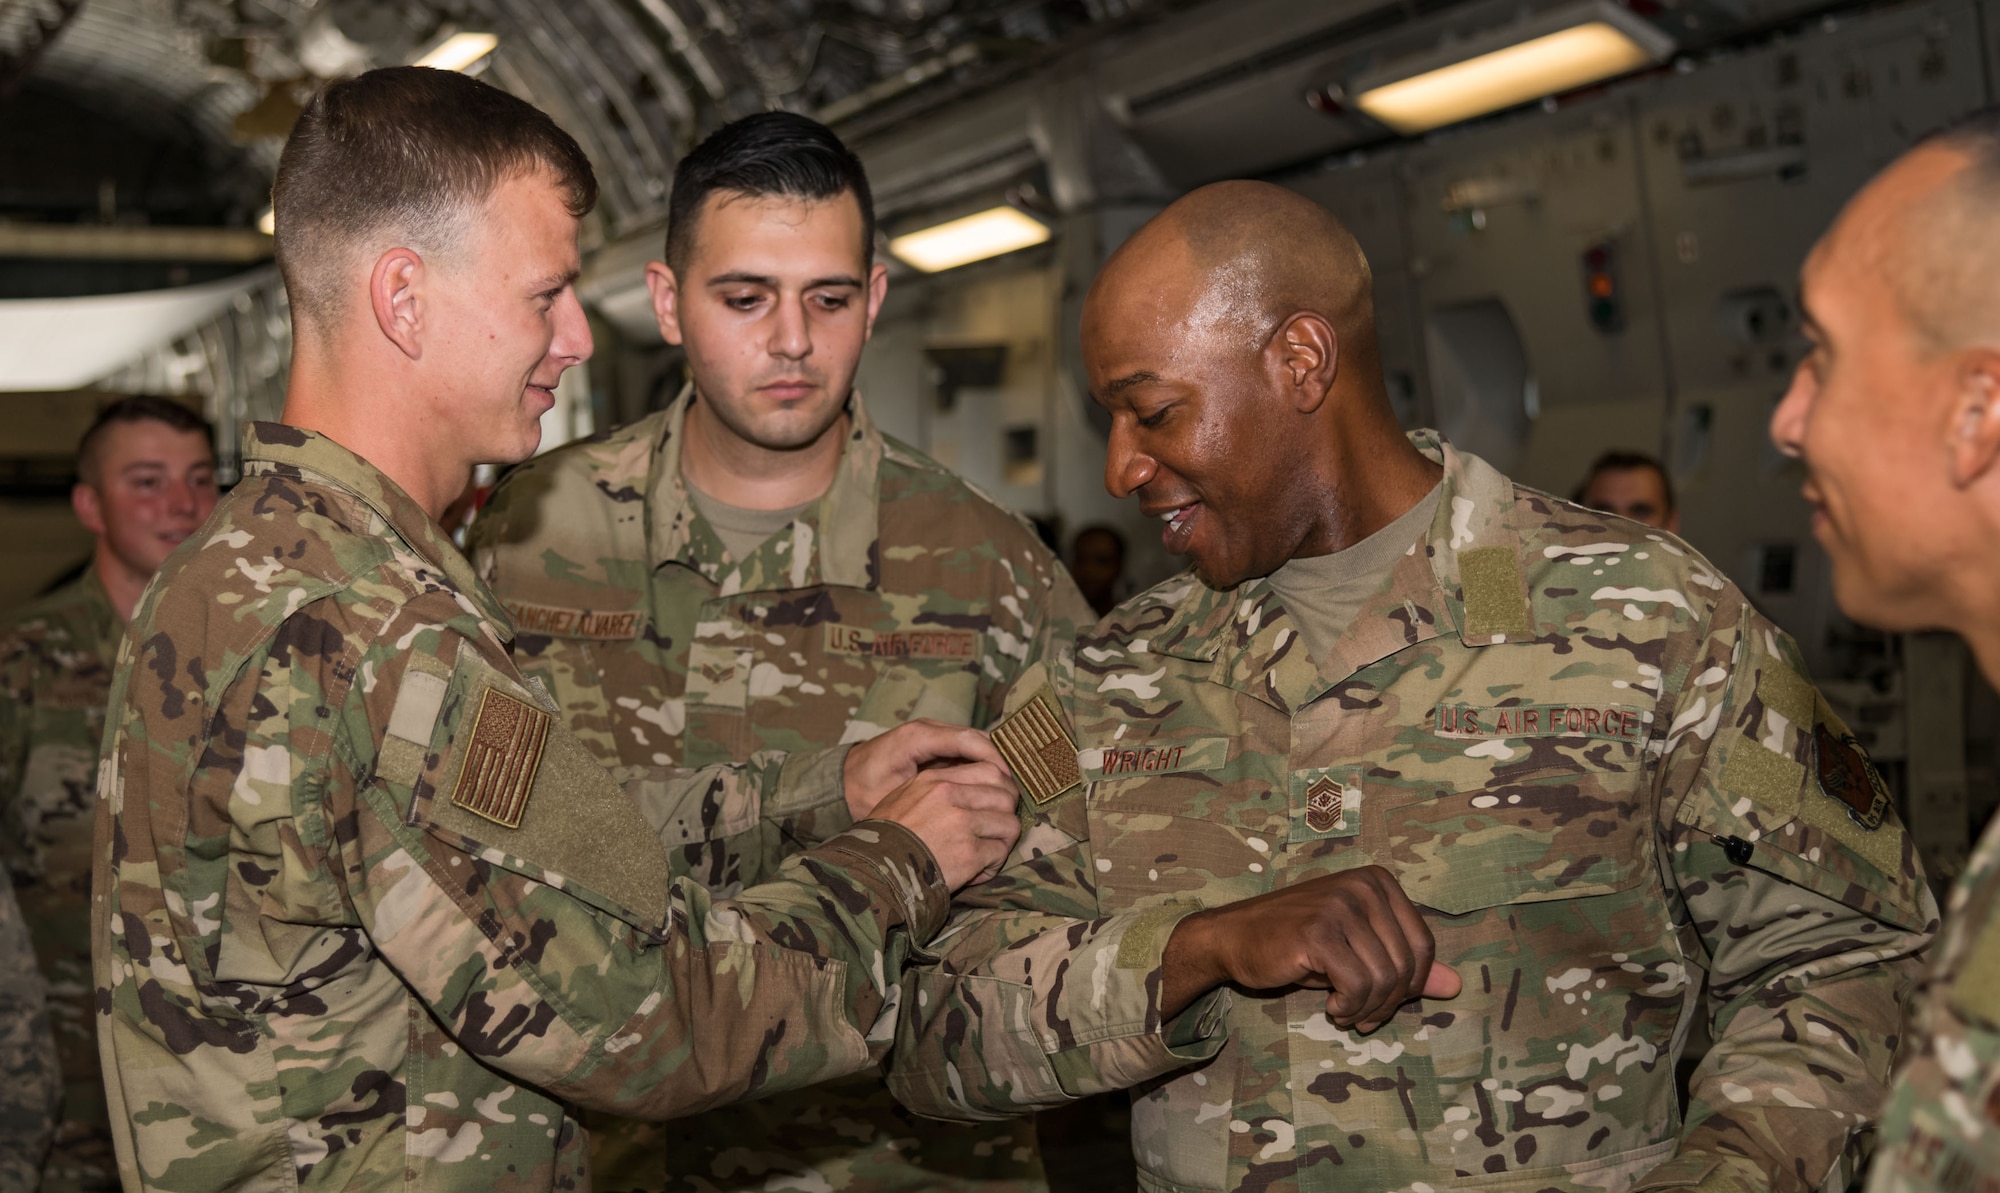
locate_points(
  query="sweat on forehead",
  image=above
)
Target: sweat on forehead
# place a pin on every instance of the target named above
(1249, 250)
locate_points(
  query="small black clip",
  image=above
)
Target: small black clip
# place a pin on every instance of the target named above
(1737, 848)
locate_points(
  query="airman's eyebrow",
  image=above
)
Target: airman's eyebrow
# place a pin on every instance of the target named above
(757, 279)
(549, 283)
(1129, 380)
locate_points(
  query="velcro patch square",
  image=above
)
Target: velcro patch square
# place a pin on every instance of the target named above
(501, 755)
(1038, 747)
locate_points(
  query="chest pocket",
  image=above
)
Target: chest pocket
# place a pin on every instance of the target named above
(904, 691)
(1470, 822)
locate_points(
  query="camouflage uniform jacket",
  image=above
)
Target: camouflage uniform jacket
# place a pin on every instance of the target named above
(1941, 1128)
(902, 593)
(55, 676)
(30, 1082)
(1600, 772)
(369, 910)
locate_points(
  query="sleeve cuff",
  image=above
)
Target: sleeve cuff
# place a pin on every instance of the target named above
(808, 781)
(1123, 1050)
(906, 886)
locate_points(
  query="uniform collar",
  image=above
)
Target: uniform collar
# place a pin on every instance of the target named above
(832, 542)
(1465, 578)
(105, 624)
(267, 446)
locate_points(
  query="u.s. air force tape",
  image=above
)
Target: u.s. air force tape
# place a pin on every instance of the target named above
(502, 754)
(1036, 745)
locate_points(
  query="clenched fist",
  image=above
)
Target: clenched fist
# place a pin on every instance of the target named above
(1354, 934)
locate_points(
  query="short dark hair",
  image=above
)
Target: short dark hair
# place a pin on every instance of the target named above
(1620, 460)
(135, 409)
(405, 149)
(771, 153)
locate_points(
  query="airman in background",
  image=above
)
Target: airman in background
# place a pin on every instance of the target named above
(367, 913)
(1896, 415)
(146, 481)
(758, 567)
(1632, 485)
(1097, 560)
(1599, 774)
(31, 1079)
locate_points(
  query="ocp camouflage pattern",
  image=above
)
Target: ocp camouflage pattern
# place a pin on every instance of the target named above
(319, 966)
(1940, 1131)
(31, 1086)
(55, 676)
(1583, 754)
(902, 592)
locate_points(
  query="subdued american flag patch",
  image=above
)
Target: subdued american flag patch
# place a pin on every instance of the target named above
(1039, 749)
(501, 755)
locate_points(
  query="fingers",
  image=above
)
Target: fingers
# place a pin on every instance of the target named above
(877, 767)
(1406, 938)
(926, 741)
(964, 813)
(1444, 982)
(1365, 978)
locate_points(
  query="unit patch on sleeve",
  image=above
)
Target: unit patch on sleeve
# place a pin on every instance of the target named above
(1846, 774)
(1038, 747)
(500, 757)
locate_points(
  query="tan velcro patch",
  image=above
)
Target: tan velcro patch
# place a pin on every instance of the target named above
(502, 754)
(1038, 747)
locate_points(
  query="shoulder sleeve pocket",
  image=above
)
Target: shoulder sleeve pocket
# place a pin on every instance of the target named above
(501, 777)
(1826, 823)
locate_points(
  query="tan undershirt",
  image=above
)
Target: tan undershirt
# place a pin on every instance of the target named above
(1323, 593)
(741, 530)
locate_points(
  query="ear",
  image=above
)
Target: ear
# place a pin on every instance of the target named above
(666, 292)
(395, 293)
(1975, 419)
(1306, 351)
(878, 289)
(84, 500)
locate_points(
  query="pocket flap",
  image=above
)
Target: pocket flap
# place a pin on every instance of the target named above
(1454, 856)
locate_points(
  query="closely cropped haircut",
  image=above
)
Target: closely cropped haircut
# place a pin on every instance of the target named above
(1622, 461)
(1978, 137)
(136, 409)
(404, 153)
(1945, 263)
(771, 154)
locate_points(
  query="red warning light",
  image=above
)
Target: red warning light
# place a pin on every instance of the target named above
(1600, 287)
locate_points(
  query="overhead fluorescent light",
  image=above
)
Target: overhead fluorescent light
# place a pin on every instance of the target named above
(268, 222)
(459, 51)
(1555, 51)
(990, 233)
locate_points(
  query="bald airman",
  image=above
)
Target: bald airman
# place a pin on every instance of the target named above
(1597, 773)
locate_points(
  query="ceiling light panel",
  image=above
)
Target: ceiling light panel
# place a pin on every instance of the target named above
(1557, 51)
(459, 51)
(974, 238)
